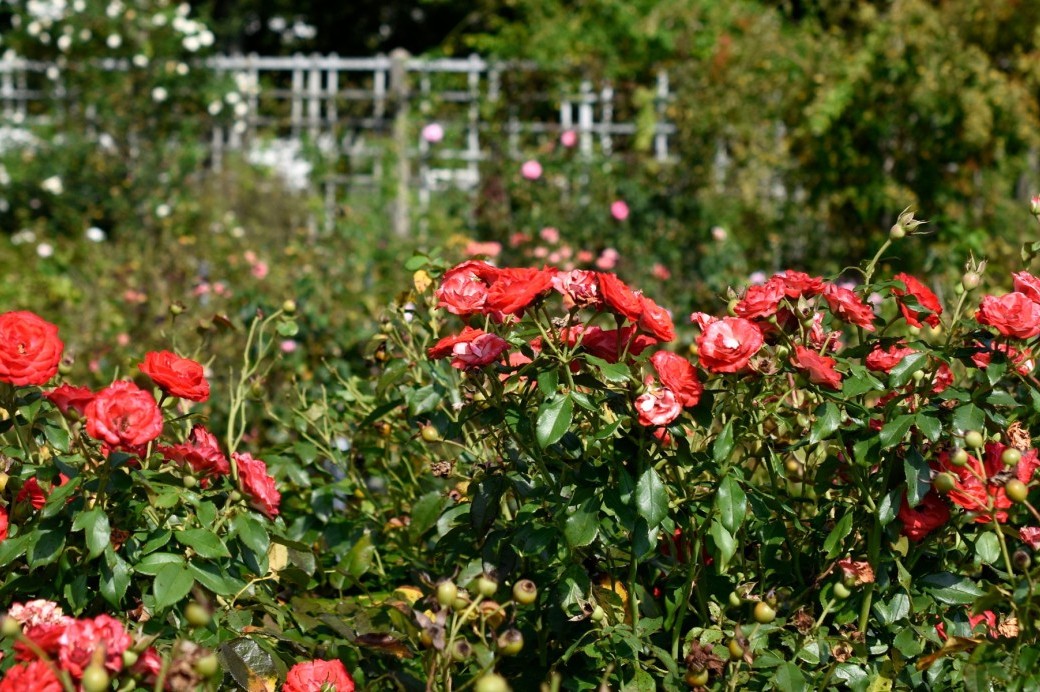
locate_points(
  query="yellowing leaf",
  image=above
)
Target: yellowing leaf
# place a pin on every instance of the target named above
(421, 280)
(277, 557)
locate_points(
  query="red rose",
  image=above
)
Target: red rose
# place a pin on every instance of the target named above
(579, 288)
(470, 349)
(1028, 284)
(149, 664)
(201, 452)
(464, 287)
(30, 349)
(1013, 315)
(123, 415)
(110, 633)
(3, 524)
(798, 284)
(761, 301)
(973, 492)
(257, 484)
(180, 377)
(37, 676)
(884, 359)
(609, 344)
(656, 321)
(820, 369)
(727, 345)
(658, 406)
(678, 375)
(515, 290)
(926, 517)
(46, 637)
(1022, 360)
(1030, 535)
(928, 300)
(619, 298)
(68, 397)
(312, 676)
(847, 307)
(32, 492)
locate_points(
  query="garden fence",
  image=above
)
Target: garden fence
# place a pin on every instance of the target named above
(363, 118)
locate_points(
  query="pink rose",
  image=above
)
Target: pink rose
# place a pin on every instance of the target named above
(258, 485)
(658, 406)
(727, 345)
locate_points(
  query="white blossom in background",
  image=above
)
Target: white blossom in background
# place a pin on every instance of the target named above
(15, 138)
(163, 210)
(85, 35)
(64, 43)
(5, 177)
(114, 9)
(114, 41)
(53, 73)
(285, 158)
(191, 43)
(23, 236)
(53, 185)
(215, 107)
(44, 250)
(95, 235)
(140, 60)
(159, 94)
(182, 68)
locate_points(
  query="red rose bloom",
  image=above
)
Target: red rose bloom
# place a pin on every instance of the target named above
(798, 284)
(312, 676)
(608, 344)
(678, 375)
(926, 517)
(32, 492)
(257, 484)
(619, 298)
(68, 397)
(1028, 284)
(81, 638)
(884, 359)
(1013, 315)
(923, 295)
(3, 524)
(464, 287)
(658, 406)
(470, 349)
(847, 307)
(201, 452)
(656, 321)
(36, 676)
(180, 377)
(1021, 360)
(1031, 536)
(111, 633)
(515, 290)
(820, 369)
(727, 345)
(30, 349)
(579, 288)
(124, 415)
(761, 301)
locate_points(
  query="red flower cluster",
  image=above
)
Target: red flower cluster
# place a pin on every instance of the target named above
(123, 415)
(923, 295)
(976, 482)
(311, 676)
(470, 350)
(257, 484)
(180, 377)
(30, 349)
(69, 642)
(201, 452)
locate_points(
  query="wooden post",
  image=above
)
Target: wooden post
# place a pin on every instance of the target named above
(399, 94)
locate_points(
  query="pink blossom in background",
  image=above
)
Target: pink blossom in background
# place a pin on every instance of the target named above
(123, 339)
(133, 296)
(718, 233)
(554, 258)
(607, 259)
(549, 234)
(433, 133)
(757, 278)
(489, 248)
(541, 252)
(518, 239)
(661, 272)
(221, 289)
(249, 256)
(619, 210)
(568, 138)
(200, 290)
(259, 270)
(566, 252)
(584, 256)
(288, 346)
(532, 170)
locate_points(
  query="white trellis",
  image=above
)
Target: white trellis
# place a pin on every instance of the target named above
(356, 111)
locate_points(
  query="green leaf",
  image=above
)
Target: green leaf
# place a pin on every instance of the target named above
(156, 561)
(252, 533)
(968, 417)
(724, 542)
(204, 542)
(987, 548)
(172, 583)
(642, 681)
(904, 370)
(950, 588)
(554, 418)
(359, 559)
(651, 498)
(828, 419)
(98, 532)
(789, 679)
(425, 512)
(894, 610)
(47, 548)
(723, 446)
(251, 667)
(614, 373)
(115, 578)
(212, 577)
(486, 504)
(582, 525)
(929, 426)
(894, 430)
(731, 503)
(548, 382)
(888, 508)
(57, 437)
(423, 400)
(918, 477)
(832, 545)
